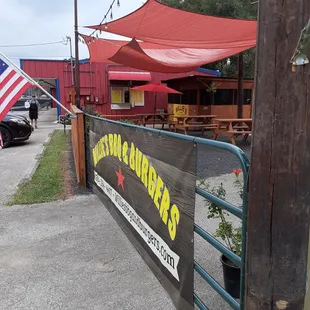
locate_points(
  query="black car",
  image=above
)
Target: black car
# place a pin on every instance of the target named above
(15, 128)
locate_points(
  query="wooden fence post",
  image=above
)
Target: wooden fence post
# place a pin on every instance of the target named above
(78, 145)
(307, 299)
(279, 197)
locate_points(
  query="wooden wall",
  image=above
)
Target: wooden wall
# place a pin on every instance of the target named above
(230, 111)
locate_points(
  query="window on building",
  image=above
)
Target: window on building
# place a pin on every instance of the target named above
(189, 97)
(205, 97)
(137, 98)
(224, 97)
(247, 96)
(117, 95)
(174, 98)
(126, 96)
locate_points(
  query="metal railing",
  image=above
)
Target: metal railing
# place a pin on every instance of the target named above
(241, 213)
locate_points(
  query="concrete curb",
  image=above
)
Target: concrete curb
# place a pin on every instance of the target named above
(33, 167)
(48, 139)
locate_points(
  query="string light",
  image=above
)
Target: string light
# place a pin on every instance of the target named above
(104, 19)
(111, 16)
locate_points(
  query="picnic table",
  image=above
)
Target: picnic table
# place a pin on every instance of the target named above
(233, 128)
(194, 122)
(157, 118)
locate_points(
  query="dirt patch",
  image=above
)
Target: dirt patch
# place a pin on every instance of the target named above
(67, 176)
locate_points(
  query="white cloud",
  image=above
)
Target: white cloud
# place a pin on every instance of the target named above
(37, 21)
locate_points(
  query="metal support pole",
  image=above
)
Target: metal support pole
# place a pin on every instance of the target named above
(71, 60)
(240, 86)
(77, 61)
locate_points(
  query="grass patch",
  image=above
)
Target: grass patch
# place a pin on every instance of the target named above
(48, 182)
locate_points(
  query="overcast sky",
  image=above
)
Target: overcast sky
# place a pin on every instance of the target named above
(40, 21)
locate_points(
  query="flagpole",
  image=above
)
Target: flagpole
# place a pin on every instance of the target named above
(34, 82)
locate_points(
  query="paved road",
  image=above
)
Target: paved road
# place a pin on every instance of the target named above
(16, 160)
(72, 255)
(214, 162)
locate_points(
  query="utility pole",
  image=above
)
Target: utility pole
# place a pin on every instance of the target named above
(279, 195)
(240, 86)
(71, 59)
(77, 59)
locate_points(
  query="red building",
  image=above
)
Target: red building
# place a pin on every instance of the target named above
(105, 87)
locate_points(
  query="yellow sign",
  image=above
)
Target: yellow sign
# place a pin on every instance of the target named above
(180, 110)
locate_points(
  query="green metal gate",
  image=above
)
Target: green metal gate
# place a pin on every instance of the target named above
(241, 213)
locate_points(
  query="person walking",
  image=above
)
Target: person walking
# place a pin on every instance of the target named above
(33, 110)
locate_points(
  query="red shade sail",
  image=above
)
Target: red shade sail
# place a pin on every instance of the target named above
(153, 57)
(170, 60)
(101, 50)
(158, 23)
(177, 40)
(156, 88)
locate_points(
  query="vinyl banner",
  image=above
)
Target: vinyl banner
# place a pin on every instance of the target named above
(147, 181)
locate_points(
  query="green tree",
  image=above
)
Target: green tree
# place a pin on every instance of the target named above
(242, 9)
(225, 8)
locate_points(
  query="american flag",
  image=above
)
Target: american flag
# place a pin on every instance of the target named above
(12, 87)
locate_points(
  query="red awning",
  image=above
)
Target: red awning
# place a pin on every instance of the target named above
(129, 76)
(161, 24)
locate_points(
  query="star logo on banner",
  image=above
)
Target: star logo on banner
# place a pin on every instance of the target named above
(120, 178)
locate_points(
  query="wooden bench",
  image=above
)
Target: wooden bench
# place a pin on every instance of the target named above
(194, 122)
(236, 133)
(151, 122)
(233, 128)
(186, 127)
(154, 119)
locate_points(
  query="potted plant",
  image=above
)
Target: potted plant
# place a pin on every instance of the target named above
(212, 88)
(230, 235)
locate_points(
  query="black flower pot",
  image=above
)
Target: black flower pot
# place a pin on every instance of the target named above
(231, 274)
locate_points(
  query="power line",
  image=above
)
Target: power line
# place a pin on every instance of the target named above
(33, 44)
(37, 57)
